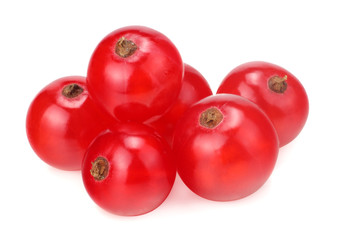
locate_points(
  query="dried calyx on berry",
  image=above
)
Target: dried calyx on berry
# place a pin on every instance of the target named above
(72, 90)
(211, 117)
(278, 84)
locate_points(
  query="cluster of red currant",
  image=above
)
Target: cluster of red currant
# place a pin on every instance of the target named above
(141, 115)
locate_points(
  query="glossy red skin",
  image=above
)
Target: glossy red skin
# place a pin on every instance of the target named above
(288, 111)
(142, 85)
(193, 89)
(232, 160)
(60, 129)
(141, 170)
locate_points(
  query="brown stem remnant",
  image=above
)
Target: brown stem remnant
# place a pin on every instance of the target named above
(100, 168)
(278, 84)
(72, 90)
(125, 48)
(211, 117)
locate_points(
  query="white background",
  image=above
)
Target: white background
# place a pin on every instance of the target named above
(313, 192)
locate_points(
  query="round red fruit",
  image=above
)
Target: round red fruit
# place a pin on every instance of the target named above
(225, 147)
(135, 73)
(194, 88)
(62, 121)
(275, 90)
(129, 170)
